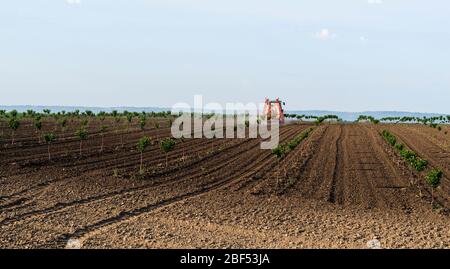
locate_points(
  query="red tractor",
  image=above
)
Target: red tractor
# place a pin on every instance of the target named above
(274, 109)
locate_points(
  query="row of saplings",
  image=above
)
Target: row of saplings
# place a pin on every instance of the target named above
(49, 138)
(166, 145)
(14, 122)
(433, 177)
(283, 149)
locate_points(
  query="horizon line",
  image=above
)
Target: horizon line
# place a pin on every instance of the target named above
(168, 108)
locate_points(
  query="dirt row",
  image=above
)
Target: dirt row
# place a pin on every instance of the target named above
(342, 186)
(434, 151)
(440, 138)
(349, 189)
(71, 147)
(349, 166)
(124, 162)
(27, 135)
(193, 180)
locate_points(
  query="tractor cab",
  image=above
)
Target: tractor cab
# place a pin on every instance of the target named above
(273, 109)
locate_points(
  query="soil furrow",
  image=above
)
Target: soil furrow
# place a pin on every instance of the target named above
(188, 175)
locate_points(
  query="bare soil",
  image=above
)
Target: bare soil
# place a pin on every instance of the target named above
(341, 187)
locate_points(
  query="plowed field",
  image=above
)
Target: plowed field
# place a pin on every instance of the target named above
(341, 187)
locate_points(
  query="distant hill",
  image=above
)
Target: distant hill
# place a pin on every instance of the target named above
(347, 116)
(24, 108)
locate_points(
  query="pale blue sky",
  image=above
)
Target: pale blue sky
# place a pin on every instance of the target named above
(346, 55)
